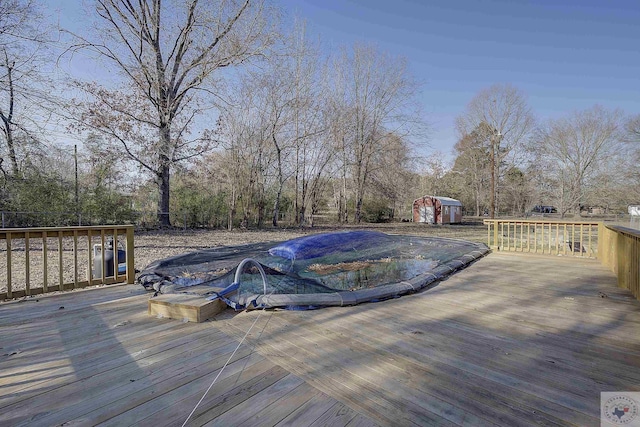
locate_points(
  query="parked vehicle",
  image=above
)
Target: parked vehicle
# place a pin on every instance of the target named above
(544, 209)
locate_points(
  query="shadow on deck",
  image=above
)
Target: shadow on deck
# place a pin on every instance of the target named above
(511, 340)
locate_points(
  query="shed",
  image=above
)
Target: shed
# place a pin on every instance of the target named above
(437, 210)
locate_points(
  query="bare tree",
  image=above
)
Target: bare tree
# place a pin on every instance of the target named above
(633, 174)
(390, 172)
(17, 21)
(168, 54)
(249, 155)
(503, 110)
(471, 163)
(375, 94)
(23, 82)
(337, 118)
(432, 172)
(632, 127)
(578, 148)
(313, 148)
(286, 97)
(518, 193)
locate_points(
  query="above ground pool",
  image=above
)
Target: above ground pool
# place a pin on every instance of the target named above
(328, 269)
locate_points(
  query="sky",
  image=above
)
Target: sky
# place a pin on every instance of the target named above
(565, 55)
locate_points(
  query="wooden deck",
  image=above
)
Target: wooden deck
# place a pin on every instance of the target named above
(512, 340)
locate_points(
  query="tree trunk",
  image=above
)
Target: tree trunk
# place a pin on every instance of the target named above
(276, 207)
(231, 218)
(297, 203)
(476, 191)
(314, 208)
(163, 202)
(262, 207)
(356, 215)
(358, 159)
(358, 211)
(8, 133)
(578, 195)
(344, 209)
(301, 208)
(492, 162)
(7, 119)
(276, 203)
(164, 174)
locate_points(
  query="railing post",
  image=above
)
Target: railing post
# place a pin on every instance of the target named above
(600, 254)
(27, 262)
(60, 263)
(75, 259)
(488, 234)
(131, 273)
(90, 256)
(8, 237)
(45, 253)
(104, 262)
(115, 255)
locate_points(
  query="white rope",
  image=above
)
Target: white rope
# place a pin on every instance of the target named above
(221, 370)
(237, 278)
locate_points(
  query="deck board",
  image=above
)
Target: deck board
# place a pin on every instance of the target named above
(511, 340)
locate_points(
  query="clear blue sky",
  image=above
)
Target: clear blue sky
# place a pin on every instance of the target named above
(565, 55)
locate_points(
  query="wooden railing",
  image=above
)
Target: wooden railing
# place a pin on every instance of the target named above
(544, 237)
(617, 248)
(620, 251)
(41, 260)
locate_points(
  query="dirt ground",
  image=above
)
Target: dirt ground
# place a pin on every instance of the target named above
(151, 246)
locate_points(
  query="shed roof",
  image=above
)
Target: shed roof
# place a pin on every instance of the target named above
(446, 201)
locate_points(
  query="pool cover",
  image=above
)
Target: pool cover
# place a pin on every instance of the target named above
(343, 268)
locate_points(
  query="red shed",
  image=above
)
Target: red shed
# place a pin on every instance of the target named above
(437, 210)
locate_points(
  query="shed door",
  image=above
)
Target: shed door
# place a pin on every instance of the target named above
(453, 211)
(426, 214)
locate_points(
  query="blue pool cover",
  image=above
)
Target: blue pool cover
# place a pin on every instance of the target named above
(342, 268)
(319, 245)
